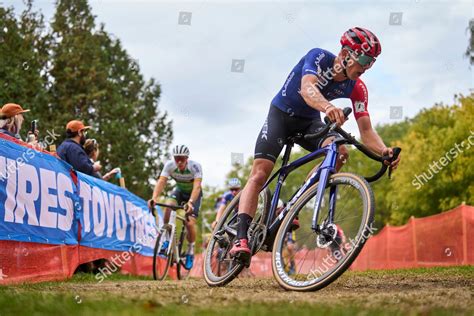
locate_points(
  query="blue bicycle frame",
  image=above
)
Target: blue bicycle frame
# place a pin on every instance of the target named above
(321, 174)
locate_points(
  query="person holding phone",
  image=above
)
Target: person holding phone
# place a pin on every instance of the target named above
(91, 146)
(11, 121)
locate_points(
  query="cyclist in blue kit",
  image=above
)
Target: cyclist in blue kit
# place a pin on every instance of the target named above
(318, 78)
(234, 186)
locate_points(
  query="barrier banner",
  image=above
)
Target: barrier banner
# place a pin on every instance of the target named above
(52, 219)
(36, 197)
(113, 218)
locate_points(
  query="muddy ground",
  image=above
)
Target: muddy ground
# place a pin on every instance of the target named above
(448, 290)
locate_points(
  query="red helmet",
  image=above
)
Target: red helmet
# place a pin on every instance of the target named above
(362, 40)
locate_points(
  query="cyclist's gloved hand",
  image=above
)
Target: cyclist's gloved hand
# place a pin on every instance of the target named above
(189, 207)
(389, 152)
(335, 115)
(151, 204)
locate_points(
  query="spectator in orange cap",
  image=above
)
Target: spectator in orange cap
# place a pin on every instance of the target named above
(72, 152)
(11, 119)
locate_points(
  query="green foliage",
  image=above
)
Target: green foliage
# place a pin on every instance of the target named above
(76, 70)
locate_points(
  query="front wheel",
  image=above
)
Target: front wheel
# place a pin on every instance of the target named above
(163, 253)
(319, 258)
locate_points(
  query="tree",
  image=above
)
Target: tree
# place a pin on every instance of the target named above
(23, 60)
(95, 80)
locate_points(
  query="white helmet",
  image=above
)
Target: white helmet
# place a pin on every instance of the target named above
(234, 183)
(181, 150)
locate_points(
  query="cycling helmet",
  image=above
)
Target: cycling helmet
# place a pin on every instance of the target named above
(181, 150)
(234, 183)
(362, 41)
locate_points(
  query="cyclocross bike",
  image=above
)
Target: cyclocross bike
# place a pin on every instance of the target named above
(170, 249)
(335, 213)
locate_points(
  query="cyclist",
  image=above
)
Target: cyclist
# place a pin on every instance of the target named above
(188, 176)
(317, 78)
(234, 186)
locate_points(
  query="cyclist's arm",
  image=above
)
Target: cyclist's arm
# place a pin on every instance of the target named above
(196, 190)
(313, 97)
(160, 185)
(311, 94)
(360, 102)
(369, 136)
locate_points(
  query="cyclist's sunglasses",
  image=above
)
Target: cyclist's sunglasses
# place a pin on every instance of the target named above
(180, 158)
(234, 189)
(362, 59)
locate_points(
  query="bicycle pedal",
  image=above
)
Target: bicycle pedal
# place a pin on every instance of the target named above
(243, 258)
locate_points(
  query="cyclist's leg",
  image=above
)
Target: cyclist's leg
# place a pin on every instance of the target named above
(191, 224)
(269, 144)
(174, 198)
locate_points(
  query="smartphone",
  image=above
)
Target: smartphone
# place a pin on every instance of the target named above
(34, 126)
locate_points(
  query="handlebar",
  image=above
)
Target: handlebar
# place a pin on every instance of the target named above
(349, 139)
(172, 207)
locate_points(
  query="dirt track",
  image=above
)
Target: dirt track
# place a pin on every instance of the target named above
(403, 291)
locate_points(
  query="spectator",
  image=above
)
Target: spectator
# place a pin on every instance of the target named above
(72, 152)
(91, 147)
(11, 120)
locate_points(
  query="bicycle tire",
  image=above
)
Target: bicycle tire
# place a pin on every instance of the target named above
(158, 272)
(234, 267)
(341, 266)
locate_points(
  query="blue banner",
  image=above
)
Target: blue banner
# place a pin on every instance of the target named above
(114, 218)
(36, 197)
(40, 202)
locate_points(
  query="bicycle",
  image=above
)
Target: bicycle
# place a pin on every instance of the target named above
(340, 222)
(175, 251)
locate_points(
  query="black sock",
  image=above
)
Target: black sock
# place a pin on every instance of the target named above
(244, 221)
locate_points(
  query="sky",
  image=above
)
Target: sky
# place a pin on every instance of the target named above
(190, 48)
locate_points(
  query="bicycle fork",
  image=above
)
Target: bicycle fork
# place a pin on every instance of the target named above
(327, 168)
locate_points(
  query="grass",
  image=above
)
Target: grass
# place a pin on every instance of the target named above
(149, 297)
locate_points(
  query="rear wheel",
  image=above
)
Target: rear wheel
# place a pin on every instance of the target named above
(219, 267)
(321, 257)
(162, 257)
